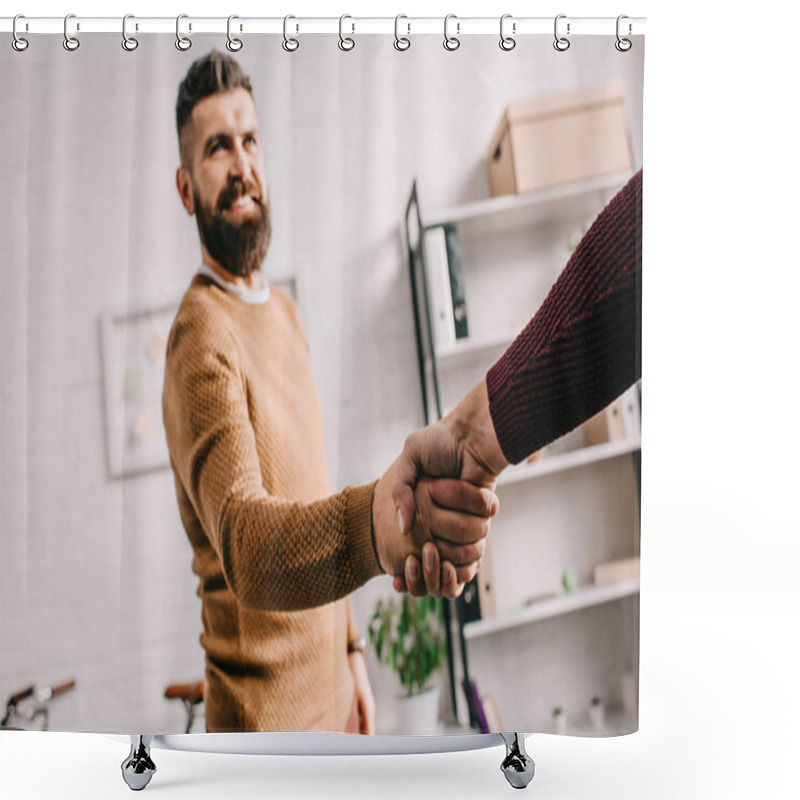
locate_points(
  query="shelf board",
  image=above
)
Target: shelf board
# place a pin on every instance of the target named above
(547, 465)
(468, 346)
(536, 204)
(617, 722)
(583, 597)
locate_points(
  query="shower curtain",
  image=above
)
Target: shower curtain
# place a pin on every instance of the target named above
(423, 202)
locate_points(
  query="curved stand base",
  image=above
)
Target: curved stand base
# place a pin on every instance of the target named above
(518, 766)
(316, 743)
(138, 768)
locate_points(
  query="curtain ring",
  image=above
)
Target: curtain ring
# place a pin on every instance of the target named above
(233, 44)
(623, 45)
(451, 42)
(129, 43)
(18, 43)
(401, 42)
(183, 43)
(346, 43)
(70, 42)
(507, 42)
(289, 44)
(561, 43)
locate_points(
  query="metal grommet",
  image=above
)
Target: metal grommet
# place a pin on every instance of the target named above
(346, 43)
(561, 43)
(70, 42)
(289, 44)
(401, 42)
(129, 43)
(451, 42)
(18, 43)
(623, 45)
(233, 44)
(183, 43)
(507, 42)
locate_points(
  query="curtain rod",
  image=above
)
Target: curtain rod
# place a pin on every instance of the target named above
(406, 26)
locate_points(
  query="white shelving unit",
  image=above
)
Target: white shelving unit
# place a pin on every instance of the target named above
(534, 208)
(583, 597)
(548, 465)
(519, 244)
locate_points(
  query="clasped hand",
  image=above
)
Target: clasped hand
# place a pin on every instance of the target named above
(432, 508)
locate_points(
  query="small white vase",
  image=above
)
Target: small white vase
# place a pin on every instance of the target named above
(418, 714)
(560, 723)
(597, 716)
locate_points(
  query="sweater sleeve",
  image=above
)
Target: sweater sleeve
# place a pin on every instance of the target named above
(582, 348)
(276, 554)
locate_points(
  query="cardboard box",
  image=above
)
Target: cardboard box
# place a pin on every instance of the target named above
(616, 571)
(607, 426)
(557, 139)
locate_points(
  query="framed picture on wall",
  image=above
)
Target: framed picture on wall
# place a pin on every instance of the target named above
(134, 345)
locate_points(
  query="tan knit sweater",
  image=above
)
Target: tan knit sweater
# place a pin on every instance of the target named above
(276, 554)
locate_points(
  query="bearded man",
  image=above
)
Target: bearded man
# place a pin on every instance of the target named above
(276, 554)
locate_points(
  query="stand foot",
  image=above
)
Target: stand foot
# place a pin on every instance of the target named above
(518, 766)
(138, 768)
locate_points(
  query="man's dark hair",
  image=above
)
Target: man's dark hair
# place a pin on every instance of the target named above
(210, 74)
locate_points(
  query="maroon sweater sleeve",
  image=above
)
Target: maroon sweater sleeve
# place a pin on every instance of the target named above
(582, 349)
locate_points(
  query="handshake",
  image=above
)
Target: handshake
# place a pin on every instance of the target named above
(432, 508)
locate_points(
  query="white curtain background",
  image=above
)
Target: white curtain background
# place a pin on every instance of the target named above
(96, 570)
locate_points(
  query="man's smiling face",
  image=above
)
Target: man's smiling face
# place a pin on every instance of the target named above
(226, 180)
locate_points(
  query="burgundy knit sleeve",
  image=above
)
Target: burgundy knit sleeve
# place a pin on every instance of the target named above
(582, 349)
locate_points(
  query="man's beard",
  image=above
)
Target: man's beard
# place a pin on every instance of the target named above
(239, 249)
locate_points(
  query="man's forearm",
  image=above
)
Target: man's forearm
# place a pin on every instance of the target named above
(282, 555)
(582, 348)
(470, 424)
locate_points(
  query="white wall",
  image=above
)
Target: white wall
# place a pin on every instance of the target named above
(96, 579)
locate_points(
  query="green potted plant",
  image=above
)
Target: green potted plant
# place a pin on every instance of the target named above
(408, 637)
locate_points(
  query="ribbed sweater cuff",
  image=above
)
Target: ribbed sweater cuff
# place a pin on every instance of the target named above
(503, 408)
(358, 517)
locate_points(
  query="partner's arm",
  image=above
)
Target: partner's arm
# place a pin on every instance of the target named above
(582, 349)
(579, 352)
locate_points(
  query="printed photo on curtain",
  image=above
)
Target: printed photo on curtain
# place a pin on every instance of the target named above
(320, 376)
